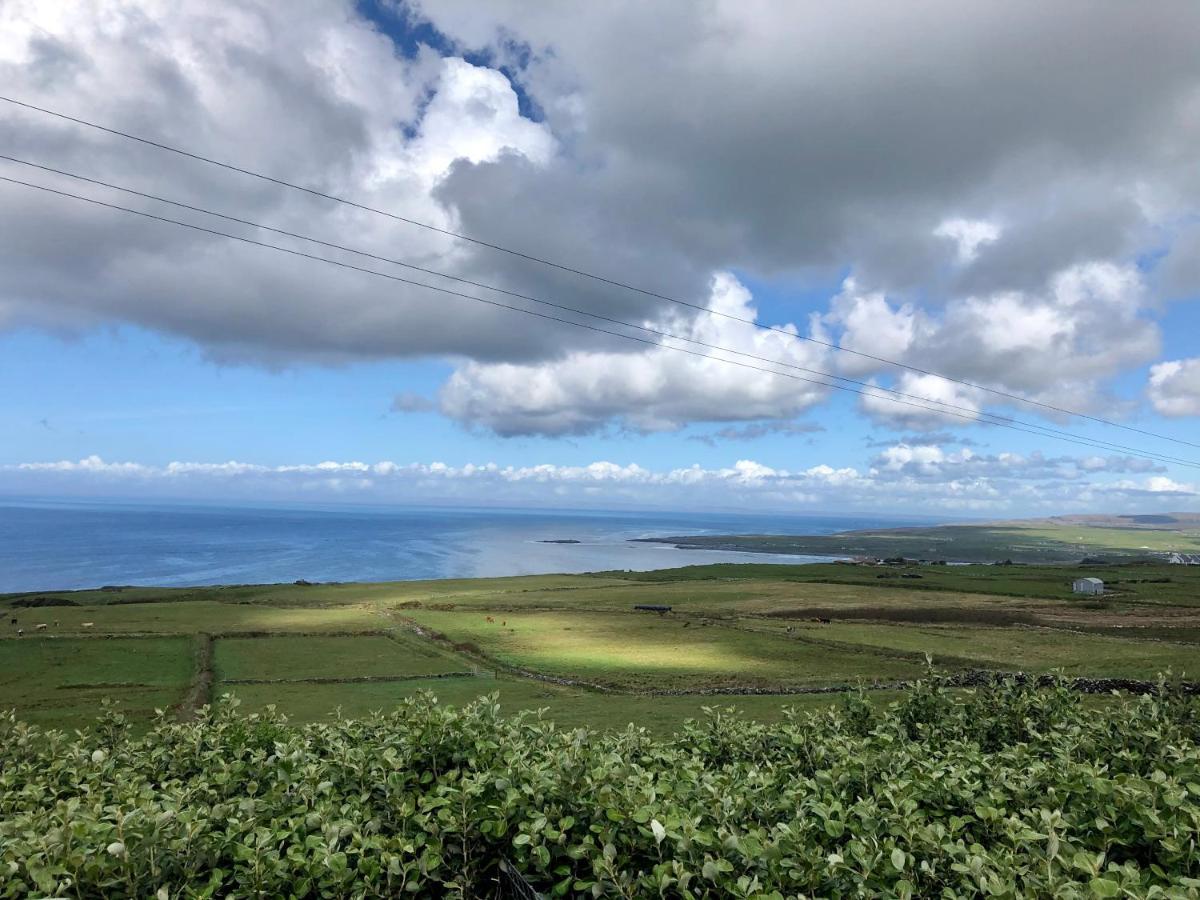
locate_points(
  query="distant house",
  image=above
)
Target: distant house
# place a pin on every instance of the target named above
(1088, 586)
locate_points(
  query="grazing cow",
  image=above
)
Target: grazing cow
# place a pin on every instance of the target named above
(20, 631)
(491, 620)
(87, 624)
(791, 629)
(41, 626)
(823, 621)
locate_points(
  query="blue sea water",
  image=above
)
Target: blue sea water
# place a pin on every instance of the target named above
(47, 545)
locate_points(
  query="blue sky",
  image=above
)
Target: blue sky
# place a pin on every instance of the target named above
(1036, 259)
(124, 393)
(130, 394)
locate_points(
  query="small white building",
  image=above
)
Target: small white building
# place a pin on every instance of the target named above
(1088, 586)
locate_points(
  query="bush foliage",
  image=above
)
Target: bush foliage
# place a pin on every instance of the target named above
(1007, 791)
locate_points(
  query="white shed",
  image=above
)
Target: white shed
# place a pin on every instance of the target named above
(1088, 586)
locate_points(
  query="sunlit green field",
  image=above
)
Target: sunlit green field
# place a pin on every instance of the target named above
(637, 650)
(574, 645)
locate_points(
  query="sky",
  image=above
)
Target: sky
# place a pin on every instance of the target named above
(1010, 199)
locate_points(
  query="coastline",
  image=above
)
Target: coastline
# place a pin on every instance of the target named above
(1171, 538)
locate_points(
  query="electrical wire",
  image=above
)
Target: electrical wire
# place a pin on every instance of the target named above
(974, 414)
(612, 282)
(974, 417)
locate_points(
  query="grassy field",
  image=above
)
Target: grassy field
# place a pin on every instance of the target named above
(569, 707)
(1157, 584)
(296, 657)
(191, 617)
(646, 652)
(63, 681)
(575, 646)
(1007, 648)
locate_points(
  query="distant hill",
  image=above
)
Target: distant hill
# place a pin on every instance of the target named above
(1154, 522)
(1173, 537)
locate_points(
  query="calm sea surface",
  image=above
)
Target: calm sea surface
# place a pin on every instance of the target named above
(51, 545)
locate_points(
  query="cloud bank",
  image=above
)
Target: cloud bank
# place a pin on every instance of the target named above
(921, 478)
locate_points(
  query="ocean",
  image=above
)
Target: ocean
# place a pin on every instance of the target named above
(52, 545)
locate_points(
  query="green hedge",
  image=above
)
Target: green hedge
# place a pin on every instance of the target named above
(1007, 791)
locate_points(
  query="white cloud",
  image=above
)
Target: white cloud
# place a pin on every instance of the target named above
(655, 390)
(871, 325)
(92, 465)
(309, 92)
(1155, 484)
(922, 458)
(916, 478)
(934, 463)
(930, 402)
(473, 116)
(969, 235)
(1059, 345)
(1174, 387)
(1162, 484)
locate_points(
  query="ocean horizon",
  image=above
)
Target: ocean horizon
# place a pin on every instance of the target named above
(52, 544)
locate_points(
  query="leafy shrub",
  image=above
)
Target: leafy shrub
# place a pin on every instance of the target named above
(1007, 791)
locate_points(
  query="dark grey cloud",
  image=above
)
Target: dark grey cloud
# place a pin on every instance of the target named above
(777, 136)
(1178, 277)
(794, 141)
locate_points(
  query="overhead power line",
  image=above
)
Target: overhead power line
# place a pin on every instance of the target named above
(612, 282)
(876, 393)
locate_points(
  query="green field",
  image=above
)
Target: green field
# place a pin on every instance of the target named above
(639, 651)
(295, 658)
(190, 617)
(742, 635)
(63, 681)
(1029, 649)
(569, 708)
